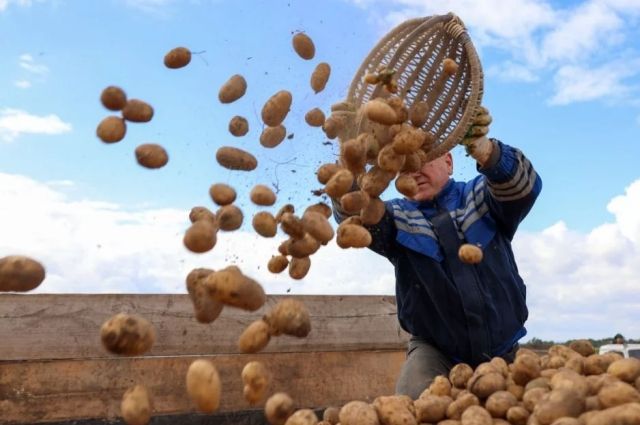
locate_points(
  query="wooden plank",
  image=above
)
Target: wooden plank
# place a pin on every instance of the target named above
(67, 326)
(46, 391)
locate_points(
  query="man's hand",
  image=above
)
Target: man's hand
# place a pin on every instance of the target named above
(476, 143)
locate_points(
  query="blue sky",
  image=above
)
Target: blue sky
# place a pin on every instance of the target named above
(562, 81)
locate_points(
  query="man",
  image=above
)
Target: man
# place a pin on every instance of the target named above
(458, 312)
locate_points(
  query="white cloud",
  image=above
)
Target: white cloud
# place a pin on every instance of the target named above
(15, 122)
(4, 4)
(153, 7)
(579, 284)
(28, 63)
(509, 71)
(23, 84)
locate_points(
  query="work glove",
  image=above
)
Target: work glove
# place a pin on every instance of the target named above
(476, 143)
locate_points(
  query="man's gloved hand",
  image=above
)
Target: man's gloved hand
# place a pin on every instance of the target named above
(476, 143)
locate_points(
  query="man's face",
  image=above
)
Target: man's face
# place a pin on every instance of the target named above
(432, 177)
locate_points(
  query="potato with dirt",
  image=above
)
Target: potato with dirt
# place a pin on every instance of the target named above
(178, 57)
(238, 126)
(222, 194)
(233, 89)
(326, 171)
(476, 415)
(395, 410)
(353, 236)
(624, 414)
(432, 408)
(557, 404)
(315, 117)
(200, 237)
(265, 224)
(113, 98)
(339, 184)
(389, 160)
(380, 112)
(204, 386)
(229, 218)
(320, 208)
(460, 374)
(302, 417)
(317, 225)
(354, 202)
(358, 413)
(406, 185)
(236, 159)
(277, 264)
(499, 403)
(136, 406)
(375, 181)
(127, 335)
(273, 136)
(276, 108)
(255, 378)
(202, 213)
(231, 287)
(20, 274)
(292, 225)
(373, 212)
(112, 129)
(353, 155)
(206, 309)
(627, 370)
(151, 155)
(278, 408)
(617, 393)
(255, 337)
(136, 110)
(289, 317)
(303, 247)
(320, 77)
(262, 195)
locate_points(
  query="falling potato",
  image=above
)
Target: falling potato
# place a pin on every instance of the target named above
(262, 195)
(137, 110)
(127, 334)
(273, 136)
(20, 274)
(113, 98)
(303, 45)
(222, 194)
(177, 58)
(204, 386)
(238, 126)
(112, 129)
(233, 89)
(136, 406)
(470, 254)
(229, 217)
(320, 76)
(236, 159)
(276, 108)
(151, 155)
(200, 237)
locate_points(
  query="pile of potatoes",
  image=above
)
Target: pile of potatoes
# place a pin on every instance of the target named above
(569, 385)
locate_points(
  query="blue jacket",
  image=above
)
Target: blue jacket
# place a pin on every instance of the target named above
(486, 211)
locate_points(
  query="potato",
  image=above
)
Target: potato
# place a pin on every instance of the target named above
(575, 363)
(408, 140)
(286, 208)
(229, 217)
(272, 136)
(419, 113)
(177, 58)
(317, 225)
(517, 415)
(540, 382)
(203, 385)
(440, 386)
(233, 89)
(236, 159)
(353, 202)
(570, 380)
(290, 317)
(412, 163)
(582, 346)
(283, 248)
(516, 390)
(292, 226)
(592, 403)
(206, 309)
(339, 184)
(499, 403)
(136, 406)
(127, 334)
(256, 380)
(222, 194)
(597, 364)
(321, 208)
(378, 111)
(255, 337)
(303, 45)
(202, 213)
(238, 126)
(459, 405)
(136, 110)
(390, 161)
(353, 155)
(373, 212)
(395, 410)
(476, 415)
(276, 108)
(326, 171)
(618, 393)
(334, 125)
(315, 117)
(525, 368)
(470, 254)
(406, 185)
(20, 274)
(449, 66)
(320, 76)
(278, 408)
(200, 237)
(277, 264)
(151, 155)
(229, 286)
(566, 421)
(432, 408)
(358, 413)
(113, 98)
(558, 404)
(625, 414)
(112, 129)
(262, 195)
(304, 247)
(460, 374)
(264, 224)
(627, 370)
(302, 417)
(596, 382)
(532, 397)
(299, 267)
(353, 236)
(330, 415)
(483, 385)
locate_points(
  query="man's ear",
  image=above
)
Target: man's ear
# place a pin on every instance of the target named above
(449, 160)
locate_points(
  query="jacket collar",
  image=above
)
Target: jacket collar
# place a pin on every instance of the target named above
(440, 199)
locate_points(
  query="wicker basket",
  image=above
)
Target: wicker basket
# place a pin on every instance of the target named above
(415, 50)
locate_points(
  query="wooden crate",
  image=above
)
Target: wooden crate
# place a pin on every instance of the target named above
(54, 369)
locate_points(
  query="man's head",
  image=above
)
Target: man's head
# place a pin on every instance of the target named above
(432, 177)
